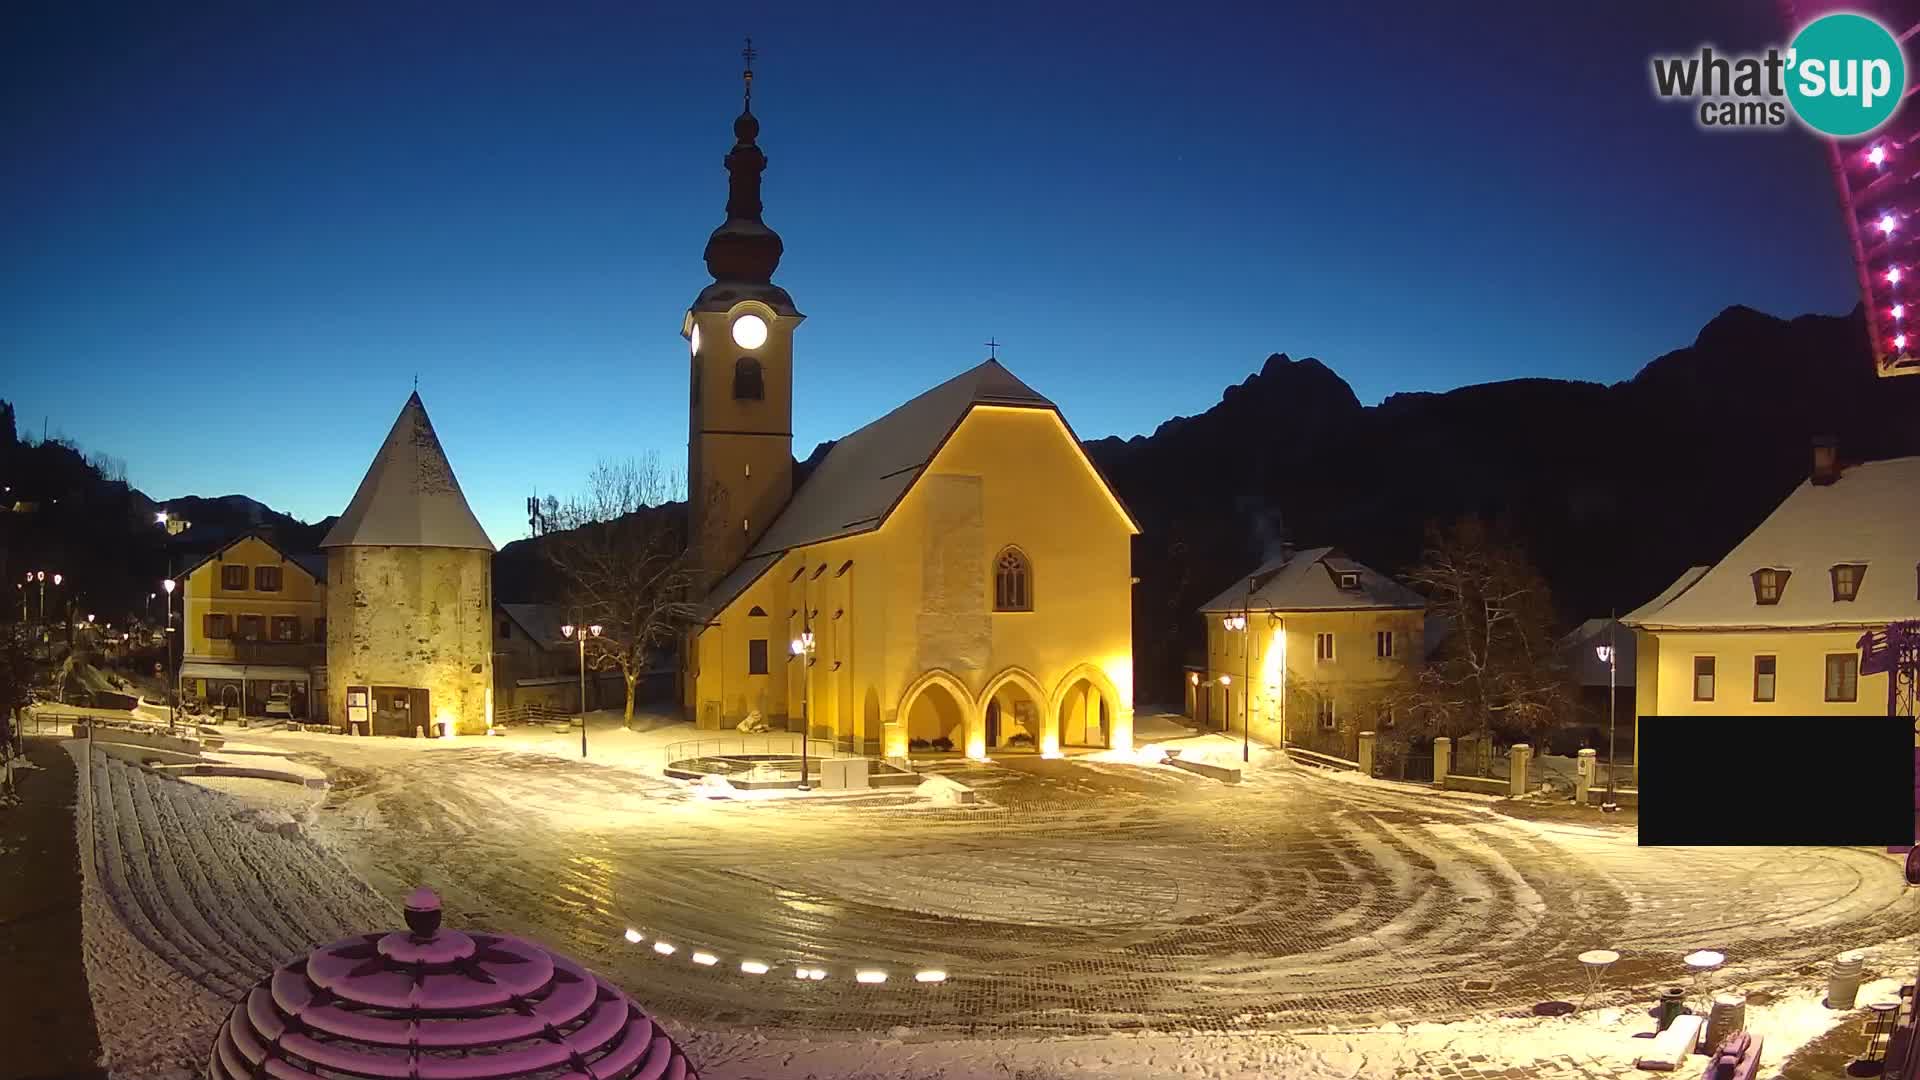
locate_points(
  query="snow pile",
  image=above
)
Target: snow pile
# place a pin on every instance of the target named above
(755, 724)
(944, 791)
(715, 786)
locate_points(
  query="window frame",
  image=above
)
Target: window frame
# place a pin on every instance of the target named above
(264, 574)
(749, 379)
(230, 571)
(1857, 578)
(1020, 597)
(1779, 581)
(259, 624)
(1712, 676)
(1324, 655)
(1773, 688)
(218, 621)
(759, 660)
(1851, 667)
(1384, 638)
(274, 624)
(1326, 712)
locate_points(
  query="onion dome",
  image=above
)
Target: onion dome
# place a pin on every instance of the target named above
(433, 1004)
(743, 252)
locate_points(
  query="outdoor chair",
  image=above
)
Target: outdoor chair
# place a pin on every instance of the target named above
(1737, 1058)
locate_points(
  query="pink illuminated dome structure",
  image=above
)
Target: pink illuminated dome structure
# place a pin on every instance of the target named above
(437, 1004)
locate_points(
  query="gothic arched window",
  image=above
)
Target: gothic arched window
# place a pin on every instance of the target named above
(1012, 581)
(747, 384)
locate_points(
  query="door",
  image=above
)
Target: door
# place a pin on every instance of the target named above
(993, 724)
(392, 711)
(417, 705)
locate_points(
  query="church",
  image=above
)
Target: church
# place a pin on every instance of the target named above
(955, 576)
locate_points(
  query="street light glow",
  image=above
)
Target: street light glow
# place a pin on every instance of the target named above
(633, 935)
(705, 959)
(753, 967)
(1604, 652)
(168, 585)
(870, 977)
(663, 948)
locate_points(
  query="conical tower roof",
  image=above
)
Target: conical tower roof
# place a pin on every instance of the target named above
(410, 497)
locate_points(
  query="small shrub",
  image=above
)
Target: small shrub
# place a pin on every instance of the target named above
(919, 744)
(1022, 739)
(943, 744)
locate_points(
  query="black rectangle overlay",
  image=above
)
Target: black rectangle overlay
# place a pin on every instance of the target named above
(1776, 781)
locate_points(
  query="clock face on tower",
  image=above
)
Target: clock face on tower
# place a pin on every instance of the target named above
(749, 331)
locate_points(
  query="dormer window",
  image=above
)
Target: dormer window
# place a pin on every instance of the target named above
(1348, 579)
(1846, 580)
(1768, 585)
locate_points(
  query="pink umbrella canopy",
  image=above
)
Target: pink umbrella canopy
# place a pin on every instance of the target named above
(437, 1004)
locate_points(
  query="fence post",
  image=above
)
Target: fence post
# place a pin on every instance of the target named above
(1517, 757)
(1366, 753)
(1583, 775)
(1442, 760)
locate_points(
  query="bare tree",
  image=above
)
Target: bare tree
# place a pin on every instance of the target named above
(1494, 670)
(623, 562)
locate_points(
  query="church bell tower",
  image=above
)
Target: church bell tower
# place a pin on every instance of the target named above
(740, 337)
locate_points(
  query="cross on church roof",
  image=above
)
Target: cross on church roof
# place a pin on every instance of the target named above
(746, 76)
(993, 349)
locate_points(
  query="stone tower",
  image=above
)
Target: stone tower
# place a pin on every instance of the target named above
(410, 593)
(740, 334)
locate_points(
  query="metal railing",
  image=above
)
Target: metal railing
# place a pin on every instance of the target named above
(776, 744)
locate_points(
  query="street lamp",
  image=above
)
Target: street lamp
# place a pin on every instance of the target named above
(802, 647)
(173, 704)
(585, 633)
(1607, 656)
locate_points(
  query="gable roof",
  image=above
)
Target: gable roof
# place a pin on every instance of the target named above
(1870, 515)
(313, 564)
(409, 497)
(1304, 581)
(541, 623)
(867, 473)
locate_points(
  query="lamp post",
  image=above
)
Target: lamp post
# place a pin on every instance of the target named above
(585, 632)
(802, 647)
(1239, 623)
(173, 702)
(1607, 655)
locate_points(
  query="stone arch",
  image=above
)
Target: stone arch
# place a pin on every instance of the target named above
(938, 705)
(1078, 714)
(1001, 701)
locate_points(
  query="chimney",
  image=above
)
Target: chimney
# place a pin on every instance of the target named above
(1826, 460)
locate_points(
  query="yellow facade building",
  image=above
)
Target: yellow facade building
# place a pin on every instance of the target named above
(254, 629)
(1311, 644)
(954, 576)
(1773, 628)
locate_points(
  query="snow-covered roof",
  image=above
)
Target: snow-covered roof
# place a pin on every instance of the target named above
(867, 473)
(1307, 581)
(409, 497)
(314, 564)
(1869, 516)
(541, 623)
(1586, 666)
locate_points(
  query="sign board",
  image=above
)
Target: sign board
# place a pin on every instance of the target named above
(357, 711)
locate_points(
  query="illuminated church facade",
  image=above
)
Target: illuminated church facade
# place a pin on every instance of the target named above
(955, 576)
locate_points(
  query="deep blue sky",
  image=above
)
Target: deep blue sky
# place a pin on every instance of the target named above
(230, 236)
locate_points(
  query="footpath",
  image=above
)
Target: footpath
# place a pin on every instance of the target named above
(46, 1018)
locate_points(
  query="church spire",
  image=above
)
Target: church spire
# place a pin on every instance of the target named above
(743, 250)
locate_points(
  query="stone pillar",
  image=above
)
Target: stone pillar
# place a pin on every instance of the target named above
(1518, 755)
(1049, 729)
(1585, 770)
(1442, 760)
(1366, 753)
(1122, 728)
(893, 740)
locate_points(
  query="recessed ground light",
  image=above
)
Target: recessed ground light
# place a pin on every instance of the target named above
(705, 959)
(633, 935)
(663, 948)
(753, 967)
(870, 976)
(930, 976)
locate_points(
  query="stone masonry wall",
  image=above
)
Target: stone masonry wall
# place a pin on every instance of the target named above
(414, 617)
